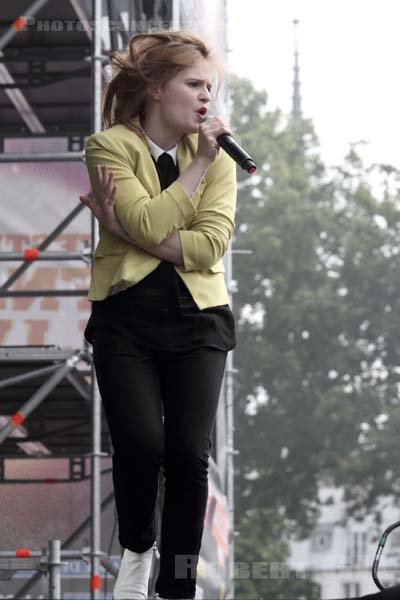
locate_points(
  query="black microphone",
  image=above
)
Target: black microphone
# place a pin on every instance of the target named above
(240, 156)
(236, 152)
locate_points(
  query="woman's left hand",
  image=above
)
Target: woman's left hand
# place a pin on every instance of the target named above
(104, 208)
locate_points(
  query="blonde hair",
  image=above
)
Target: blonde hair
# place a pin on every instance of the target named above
(151, 58)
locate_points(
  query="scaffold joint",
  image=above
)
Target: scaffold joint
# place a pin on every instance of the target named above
(31, 254)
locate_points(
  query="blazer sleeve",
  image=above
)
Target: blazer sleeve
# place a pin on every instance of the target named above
(204, 244)
(148, 220)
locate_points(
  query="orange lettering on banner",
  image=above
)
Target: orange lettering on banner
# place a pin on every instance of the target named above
(49, 304)
(81, 276)
(5, 326)
(13, 242)
(7, 274)
(79, 273)
(43, 278)
(84, 305)
(70, 242)
(74, 242)
(36, 331)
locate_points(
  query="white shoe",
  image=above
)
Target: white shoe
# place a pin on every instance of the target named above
(133, 576)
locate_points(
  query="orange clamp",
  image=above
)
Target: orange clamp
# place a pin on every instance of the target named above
(31, 254)
(95, 583)
(17, 418)
(19, 23)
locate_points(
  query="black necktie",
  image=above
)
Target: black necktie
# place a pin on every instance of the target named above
(167, 170)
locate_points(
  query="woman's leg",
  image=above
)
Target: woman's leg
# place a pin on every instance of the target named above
(191, 388)
(129, 385)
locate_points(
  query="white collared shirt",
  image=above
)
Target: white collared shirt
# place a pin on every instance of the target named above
(156, 151)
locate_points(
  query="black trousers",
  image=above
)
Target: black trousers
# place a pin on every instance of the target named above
(139, 387)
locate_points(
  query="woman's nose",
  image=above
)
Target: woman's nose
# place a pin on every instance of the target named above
(205, 95)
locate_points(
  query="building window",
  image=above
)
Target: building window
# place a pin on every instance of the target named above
(321, 540)
(351, 589)
(357, 548)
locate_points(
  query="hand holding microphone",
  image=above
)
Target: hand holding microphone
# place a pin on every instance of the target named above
(226, 141)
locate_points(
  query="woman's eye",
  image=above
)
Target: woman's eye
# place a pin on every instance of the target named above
(196, 84)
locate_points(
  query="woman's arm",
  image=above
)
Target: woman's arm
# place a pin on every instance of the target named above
(150, 219)
(204, 246)
(170, 249)
(206, 241)
(104, 211)
(199, 247)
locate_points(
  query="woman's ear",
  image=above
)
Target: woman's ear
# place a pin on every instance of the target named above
(153, 91)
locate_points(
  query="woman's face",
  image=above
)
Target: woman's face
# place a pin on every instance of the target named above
(182, 102)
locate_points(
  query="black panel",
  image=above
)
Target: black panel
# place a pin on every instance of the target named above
(62, 421)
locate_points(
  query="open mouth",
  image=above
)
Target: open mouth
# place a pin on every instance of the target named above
(202, 111)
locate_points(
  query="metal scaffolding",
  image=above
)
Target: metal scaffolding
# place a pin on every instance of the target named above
(60, 366)
(77, 428)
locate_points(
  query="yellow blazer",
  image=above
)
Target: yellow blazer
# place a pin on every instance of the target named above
(204, 223)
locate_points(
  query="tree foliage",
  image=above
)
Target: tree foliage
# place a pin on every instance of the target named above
(317, 308)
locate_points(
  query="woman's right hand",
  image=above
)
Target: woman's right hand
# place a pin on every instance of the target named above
(104, 208)
(208, 146)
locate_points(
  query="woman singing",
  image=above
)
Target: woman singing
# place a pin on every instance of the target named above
(161, 325)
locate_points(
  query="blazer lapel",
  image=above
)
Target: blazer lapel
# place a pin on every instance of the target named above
(187, 148)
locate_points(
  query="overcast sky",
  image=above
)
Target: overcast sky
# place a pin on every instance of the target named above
(349, 67)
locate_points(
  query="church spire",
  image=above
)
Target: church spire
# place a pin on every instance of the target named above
(296, 98)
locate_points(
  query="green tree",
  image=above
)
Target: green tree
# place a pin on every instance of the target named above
(317, 307)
